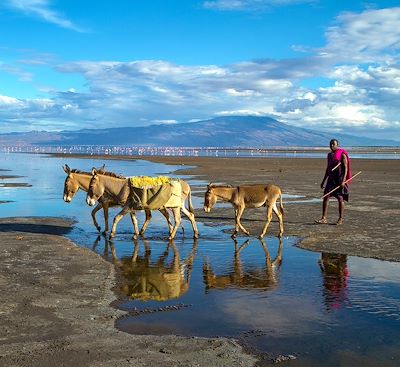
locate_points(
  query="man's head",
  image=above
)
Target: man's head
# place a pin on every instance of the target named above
(333, 144)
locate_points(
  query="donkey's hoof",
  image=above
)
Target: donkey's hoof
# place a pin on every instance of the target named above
(98, 229)
(196, 235)
(104, 232)
(261, 236)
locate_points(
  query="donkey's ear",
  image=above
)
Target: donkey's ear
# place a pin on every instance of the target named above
(94, 171)
(101, 170)
(210, 185)
(66, 169)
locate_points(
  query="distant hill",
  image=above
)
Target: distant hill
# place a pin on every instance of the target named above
(231, 131)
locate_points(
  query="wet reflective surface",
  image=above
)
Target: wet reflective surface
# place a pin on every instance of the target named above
(325, 309)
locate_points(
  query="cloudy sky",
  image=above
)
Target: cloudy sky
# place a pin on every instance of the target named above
(322, 64)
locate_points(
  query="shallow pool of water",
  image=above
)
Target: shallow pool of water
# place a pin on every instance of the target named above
(324, 309)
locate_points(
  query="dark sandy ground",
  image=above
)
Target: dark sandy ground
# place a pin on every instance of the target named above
(55, 305)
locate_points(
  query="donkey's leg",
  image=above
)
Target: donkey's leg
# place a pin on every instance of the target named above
(269, 218)
(134, 223)
(94, 211)
(164, 212)
(192, 220)
(239, 212)
(177, 218)
(105, 210)
(280, 218)
(125, 210)
(234, 234)
(146, 222)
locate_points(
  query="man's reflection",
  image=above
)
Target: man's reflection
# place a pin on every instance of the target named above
(264, 278)
(335, 275)
(162, 280)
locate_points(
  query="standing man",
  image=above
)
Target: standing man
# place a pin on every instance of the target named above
(336, 173)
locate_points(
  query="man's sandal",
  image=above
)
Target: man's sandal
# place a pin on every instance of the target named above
(321, 221)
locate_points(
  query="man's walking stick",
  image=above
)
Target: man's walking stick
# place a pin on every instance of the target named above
(330, 192)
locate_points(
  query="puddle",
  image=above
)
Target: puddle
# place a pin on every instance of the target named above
(324, 309)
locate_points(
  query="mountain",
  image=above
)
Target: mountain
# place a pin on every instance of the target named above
(231, 131)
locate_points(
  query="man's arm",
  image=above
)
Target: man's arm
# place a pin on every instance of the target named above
(345, 170)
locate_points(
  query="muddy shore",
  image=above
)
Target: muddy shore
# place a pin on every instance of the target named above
(56, 296)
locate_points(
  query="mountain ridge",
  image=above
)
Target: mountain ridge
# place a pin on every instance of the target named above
(224, 131)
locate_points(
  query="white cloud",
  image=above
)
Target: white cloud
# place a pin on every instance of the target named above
(8, 101)
(243, 93)
(148, 87)
(14, 70)
(239, 113)
(169, 122)
(41, 9)
(249, 5)
(363, 37)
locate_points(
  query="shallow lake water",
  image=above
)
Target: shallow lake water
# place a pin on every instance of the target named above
(277, 299)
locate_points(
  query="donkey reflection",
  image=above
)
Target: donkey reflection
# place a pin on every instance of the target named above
(255, 278)
(162, 280)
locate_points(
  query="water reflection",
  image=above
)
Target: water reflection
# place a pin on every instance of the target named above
(254, 278)
(143, 278)
(334, 275)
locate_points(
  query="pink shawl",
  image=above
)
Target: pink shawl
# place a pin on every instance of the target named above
(337, 157)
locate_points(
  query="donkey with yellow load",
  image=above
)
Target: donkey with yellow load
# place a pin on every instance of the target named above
(144, 193)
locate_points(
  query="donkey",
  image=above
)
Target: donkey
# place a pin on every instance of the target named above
(249, 196)
(251, 278)
(77, 179)
(119, 189)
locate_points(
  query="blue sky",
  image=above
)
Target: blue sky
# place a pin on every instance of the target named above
(322, 64)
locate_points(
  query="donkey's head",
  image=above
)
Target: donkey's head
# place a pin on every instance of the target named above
(72, 182)
(71, 185)
(96, 188)
(209, 199)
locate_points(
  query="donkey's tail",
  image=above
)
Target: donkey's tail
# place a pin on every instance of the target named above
(189, 200)
(281, 203)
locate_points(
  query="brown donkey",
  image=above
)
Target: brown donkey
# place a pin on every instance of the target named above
(77, 179)
(247, 196)
(119, 189)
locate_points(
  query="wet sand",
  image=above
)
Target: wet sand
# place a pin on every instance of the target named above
(56, 296)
